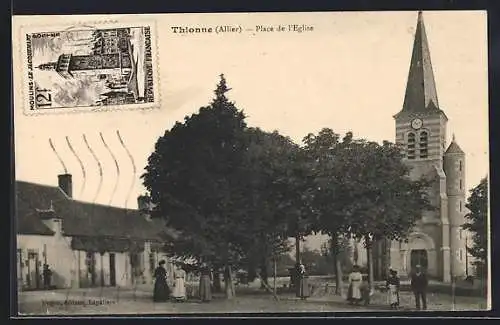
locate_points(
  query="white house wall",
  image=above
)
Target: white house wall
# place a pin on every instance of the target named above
(58, 255)
(69, 266)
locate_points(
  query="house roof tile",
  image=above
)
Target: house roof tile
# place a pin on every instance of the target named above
(80, 218)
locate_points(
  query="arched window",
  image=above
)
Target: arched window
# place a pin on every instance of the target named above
(423, 142)
(411, 145)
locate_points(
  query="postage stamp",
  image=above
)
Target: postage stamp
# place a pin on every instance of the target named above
(100, 67)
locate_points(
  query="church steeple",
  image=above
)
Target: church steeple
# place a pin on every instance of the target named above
(421, 95)
(48, 66)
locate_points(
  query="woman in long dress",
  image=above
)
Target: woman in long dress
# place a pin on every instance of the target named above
(161, 291)
(179, 291)
(303, 287)
(393, 289)
(205, 289)
(355, 282)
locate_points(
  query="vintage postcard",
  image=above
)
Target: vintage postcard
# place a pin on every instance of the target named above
(255, 163)
(89, 67)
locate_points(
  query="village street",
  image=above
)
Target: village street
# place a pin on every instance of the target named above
(128, 301)
(109, 300)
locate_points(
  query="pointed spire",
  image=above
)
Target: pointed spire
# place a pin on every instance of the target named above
(454, 148)
(421, 95)
(47, 66)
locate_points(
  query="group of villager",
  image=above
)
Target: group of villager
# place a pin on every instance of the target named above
(359, 290)
(177, 290)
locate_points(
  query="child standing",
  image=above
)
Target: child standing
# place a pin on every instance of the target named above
(393, 289)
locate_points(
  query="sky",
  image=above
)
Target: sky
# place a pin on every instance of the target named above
(348, 73)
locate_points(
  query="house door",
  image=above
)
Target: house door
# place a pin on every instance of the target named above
(91, 263)
(19, 269)
(33, 276)
(419, 257)
(136, 267)
(112, 271)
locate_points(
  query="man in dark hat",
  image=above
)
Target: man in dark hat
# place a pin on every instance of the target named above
(419, 285)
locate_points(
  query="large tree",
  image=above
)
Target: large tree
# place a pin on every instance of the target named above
(263, 181)
(323, 153)
(477, 223)
(376, 194)
(190, 178)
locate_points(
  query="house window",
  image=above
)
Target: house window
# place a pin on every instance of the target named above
(411, 145)
(423, 144)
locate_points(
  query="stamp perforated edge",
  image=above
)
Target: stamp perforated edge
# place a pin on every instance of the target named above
(20, 66)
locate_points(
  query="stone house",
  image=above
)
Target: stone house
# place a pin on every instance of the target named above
(84, 244)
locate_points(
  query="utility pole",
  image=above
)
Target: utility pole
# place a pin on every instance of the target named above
(274, 271)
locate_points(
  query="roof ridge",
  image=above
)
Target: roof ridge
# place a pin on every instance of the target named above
(75, 200)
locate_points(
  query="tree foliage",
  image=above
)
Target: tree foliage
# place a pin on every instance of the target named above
(191, 177)
(228, 190)
(477, 223)
(362, 188)
(263, 181)
(376, 193)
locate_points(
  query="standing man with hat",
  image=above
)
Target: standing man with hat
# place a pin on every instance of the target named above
(419, 284)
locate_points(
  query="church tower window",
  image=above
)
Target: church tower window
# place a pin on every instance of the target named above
(411, 145)
(460, 165)
(460, 184)
(423, 144)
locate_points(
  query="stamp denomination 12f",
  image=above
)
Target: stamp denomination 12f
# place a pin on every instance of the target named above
(90, 68)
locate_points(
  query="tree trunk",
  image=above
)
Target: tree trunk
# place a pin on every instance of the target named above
(355, 254)
(369, 255)
(338, 265)
(228, 282)
(297, 248)
(263, 275)
(297, 261)
(216, 281)
(274, 275)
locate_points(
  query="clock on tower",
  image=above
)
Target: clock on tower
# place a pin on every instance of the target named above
(416, 123)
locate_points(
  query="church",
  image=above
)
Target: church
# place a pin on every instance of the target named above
(437, 242)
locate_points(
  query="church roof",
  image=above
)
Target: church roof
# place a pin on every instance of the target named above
(421, 95)
(454, 147)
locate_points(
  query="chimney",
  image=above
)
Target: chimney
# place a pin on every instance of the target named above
(66, 184)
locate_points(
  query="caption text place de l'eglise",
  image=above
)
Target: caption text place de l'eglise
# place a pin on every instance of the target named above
(297, 28)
